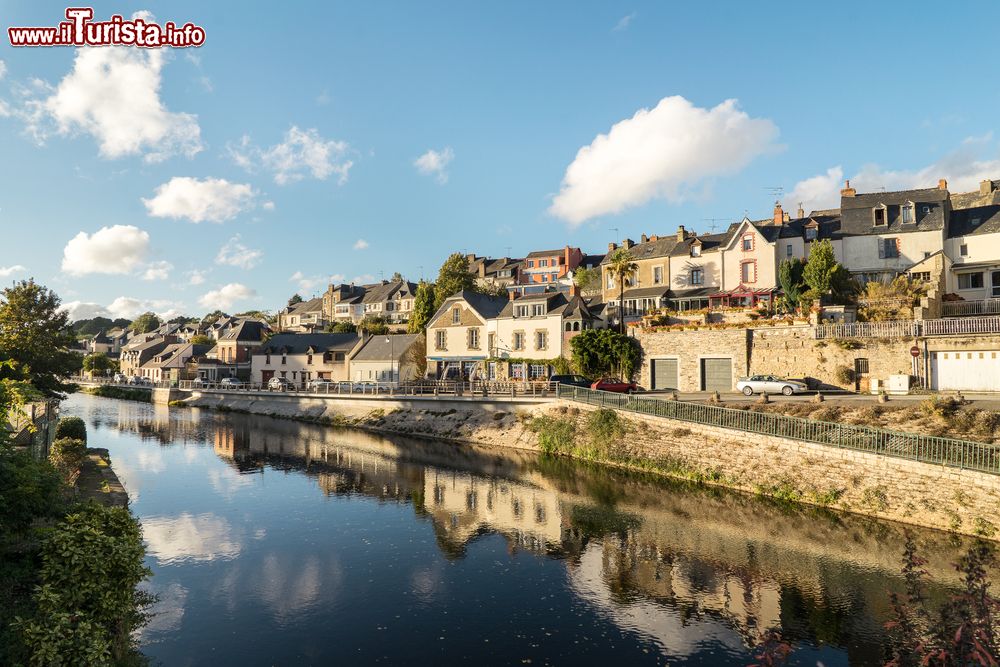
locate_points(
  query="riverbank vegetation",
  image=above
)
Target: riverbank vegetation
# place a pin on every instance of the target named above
(69, 571)
(123, 393)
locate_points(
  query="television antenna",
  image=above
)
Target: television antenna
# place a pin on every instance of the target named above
(712, 226)
(776, 192)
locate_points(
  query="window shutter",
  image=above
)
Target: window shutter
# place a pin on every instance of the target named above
(881, 248)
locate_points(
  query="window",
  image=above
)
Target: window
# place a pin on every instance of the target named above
(543, 263)
(545, 277)
(456, 315)
(888, 248)
(267, 359)
(657, 275)
(611, 280)
(970, 281)
(906, 213)
(541, 340)
(812, 233)
(521, 311)
(309, 359)
(788, 250)
(995, 284)
(921, 276)
(518, 340)
(284, 359)
(697, 277)
(748, 242)
(963, 250)
(491, 343)
(531, 263)
(696, 250)
(473, 339)
(537, 309)
(878, 215)
(536, 371)
(441, 340)
(748, 272)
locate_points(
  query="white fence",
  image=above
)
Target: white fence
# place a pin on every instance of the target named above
(966, 308)
(911, 328)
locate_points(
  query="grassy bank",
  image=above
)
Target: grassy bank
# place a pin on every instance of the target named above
(123, 393)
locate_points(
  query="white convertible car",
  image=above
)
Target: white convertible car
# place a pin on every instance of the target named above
(772, 384)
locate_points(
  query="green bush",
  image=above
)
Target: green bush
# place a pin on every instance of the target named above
(87, 605)
(555, 436)
(67, 455)
(29, 489)
(71, 427)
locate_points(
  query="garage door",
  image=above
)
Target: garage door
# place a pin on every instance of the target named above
(717, 374)
(664, 374)
(968, 370)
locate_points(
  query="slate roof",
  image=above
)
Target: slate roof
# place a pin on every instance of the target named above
(485, 305)
(247, 330)
(856, 211)
(709, 243)
(175, 352)
(303, 307)
(386, 291)
(557, 303)
(545, 253)
(663, 246)
(99, 337)
(646, 292)
(295, 343)
(974, 213)
(377, 348)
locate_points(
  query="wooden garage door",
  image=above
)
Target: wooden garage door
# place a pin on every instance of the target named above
(717, 374)
(664, 374)
(968, 370)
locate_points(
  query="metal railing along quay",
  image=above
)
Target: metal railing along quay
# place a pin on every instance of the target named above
(963, 454)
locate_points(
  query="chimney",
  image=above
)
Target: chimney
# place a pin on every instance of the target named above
(943, 184)
(574, 289)
(800, 213)
(779, 215)
(566, 255)
(654, 238)
(482, 269)
(471, 257)
(681, 234)
(612, 247)
(627, 243)
(512, 294)
(848, 191)
(644, 239)
(985, 187)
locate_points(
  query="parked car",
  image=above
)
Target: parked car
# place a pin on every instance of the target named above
(279, 384)
(572, 380)
(320, 384)
(136, 380)
(198, 381)
(772, 384)
(615, 385)
(231, 383)
(119, 378)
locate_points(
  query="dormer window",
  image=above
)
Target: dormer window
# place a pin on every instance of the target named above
(696, 250)
(906, 213)
(812, 233)
(879, 217)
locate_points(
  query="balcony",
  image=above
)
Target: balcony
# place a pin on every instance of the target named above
(970, 308)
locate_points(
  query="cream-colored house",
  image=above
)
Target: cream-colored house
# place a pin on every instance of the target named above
(303, 317)
(972, 246)
(300, 358)
(458, 334)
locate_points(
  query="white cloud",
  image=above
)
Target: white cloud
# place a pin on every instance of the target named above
(360, 244)
(158, 271)
(660, 153)
(80, 310)
(268, 206)
(234, 253)
(3, 69)
(302, 152)
(196, 277)
(963, 168)
(113, 94)
(306, 283)
(130, 307)
(365, 278)
(8, 271)
(212, 199)
(117, 249)
(226, 296)
(435, 163)
(623, 22)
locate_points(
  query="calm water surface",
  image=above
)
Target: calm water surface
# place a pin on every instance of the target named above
(278, 543)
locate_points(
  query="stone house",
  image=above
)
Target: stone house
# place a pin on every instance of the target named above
(140, 350)
(171, 363)
(494, 273)
(303, 317)
(300, 358)
(392, 301)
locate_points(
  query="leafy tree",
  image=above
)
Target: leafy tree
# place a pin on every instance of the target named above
(212, 317)
(374, 325)
(491, 289)
(294, 299)
(423, 307)
(453, 277)
(257, 315)
(146, 323)
(397, 277)
(181, 319)
(622, 266)
(598, 352)
(894, 300)
(73, 428)
(824, 275)
(587, 280)
(790, 279)
(202, 339)
(90, 327)
(344, 326)
(35, 338)
(99, 363)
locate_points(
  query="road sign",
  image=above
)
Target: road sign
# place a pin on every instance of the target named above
(915, 351)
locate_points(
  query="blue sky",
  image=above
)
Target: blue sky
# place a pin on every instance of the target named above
(293, 136)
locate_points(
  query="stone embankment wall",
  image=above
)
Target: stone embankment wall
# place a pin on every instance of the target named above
(923, 494)
(887, 488)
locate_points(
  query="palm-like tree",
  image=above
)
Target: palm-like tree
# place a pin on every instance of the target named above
(622, 265)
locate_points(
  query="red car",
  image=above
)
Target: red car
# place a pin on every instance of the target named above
(614, 384)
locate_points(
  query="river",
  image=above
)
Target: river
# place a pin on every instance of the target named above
(278, 543)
